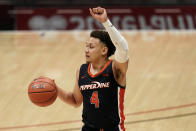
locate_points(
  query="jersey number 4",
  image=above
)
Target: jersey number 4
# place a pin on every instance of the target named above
(95, 99)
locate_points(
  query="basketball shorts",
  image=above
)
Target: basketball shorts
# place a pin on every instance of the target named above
(87, 128)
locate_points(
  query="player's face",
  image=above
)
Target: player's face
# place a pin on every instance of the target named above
(93, 49)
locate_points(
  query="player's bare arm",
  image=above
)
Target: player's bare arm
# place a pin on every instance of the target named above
(73, 98)
(120, 64)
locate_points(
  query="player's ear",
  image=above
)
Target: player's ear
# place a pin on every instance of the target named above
(104, 50)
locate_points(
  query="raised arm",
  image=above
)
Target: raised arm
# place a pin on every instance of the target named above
(120, 64)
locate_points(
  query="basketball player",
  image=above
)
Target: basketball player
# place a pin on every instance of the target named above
(100, 83)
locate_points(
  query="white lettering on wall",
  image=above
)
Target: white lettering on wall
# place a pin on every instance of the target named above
(127, 22)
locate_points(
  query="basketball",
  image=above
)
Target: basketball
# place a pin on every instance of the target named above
(42, 91)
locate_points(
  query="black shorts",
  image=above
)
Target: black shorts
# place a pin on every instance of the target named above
(87, 128)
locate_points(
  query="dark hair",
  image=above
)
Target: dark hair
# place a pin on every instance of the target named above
(104, 37)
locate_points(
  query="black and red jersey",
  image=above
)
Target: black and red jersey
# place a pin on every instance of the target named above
(103, 98)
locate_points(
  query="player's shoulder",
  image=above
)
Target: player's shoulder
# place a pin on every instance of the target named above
(84, 65)
(81, 69)
(120, 66)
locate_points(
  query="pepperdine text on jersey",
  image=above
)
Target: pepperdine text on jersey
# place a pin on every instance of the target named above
(95, 85)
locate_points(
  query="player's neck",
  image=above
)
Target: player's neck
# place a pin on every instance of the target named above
(98, 65)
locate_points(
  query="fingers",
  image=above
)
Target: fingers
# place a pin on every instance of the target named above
(91, 12)
(97, 10)
(100, 10)
(99, 14)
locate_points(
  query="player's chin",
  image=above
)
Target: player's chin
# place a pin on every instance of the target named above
(87, 60)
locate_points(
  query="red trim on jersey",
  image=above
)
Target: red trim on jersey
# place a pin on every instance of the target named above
(121, 106)
(106, 65)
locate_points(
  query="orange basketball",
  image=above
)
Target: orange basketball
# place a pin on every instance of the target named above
(42, 91)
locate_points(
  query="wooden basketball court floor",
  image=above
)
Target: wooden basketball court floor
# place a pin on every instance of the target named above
(161, 80)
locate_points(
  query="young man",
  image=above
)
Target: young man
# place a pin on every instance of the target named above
(100, 83)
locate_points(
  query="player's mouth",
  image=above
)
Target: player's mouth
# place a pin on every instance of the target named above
(87, 56)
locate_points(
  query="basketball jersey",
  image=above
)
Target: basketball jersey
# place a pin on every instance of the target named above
(103, 98)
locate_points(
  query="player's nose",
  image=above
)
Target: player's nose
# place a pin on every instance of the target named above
(86, 50)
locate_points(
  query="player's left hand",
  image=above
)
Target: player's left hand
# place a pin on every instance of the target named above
(99, 14)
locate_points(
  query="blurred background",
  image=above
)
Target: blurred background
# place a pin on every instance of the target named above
(74, 15)
(47, 38)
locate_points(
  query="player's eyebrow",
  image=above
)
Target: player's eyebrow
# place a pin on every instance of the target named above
(88, 42)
